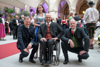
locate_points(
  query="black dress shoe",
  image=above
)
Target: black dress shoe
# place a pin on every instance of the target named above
(32, 61)
(79, 60)
(20, 59)
(65, 62)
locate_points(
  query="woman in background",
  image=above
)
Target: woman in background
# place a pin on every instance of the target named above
(6, 26)
(2, 26)
(39, 19)
(63, 23)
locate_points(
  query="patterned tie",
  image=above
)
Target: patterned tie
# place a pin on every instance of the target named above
(72, 32)
(48, 32)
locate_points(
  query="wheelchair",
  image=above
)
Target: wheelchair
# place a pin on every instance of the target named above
(56, 53)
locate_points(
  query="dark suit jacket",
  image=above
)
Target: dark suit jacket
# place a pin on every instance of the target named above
(25, 36)
(14, 22)
(79, 35)
(55, 30)
(21, 21)
(59, 21)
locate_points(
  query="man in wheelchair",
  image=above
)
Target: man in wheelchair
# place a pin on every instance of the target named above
(48, 34)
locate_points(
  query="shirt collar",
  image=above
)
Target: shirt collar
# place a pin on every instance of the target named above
(26, 27)
(73, 30)
(47, 23)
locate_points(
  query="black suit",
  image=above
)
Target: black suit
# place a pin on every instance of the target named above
(26, 36)
(21, 21)
(80, 36)
(15, 27)
(11, 27)
(56, 31)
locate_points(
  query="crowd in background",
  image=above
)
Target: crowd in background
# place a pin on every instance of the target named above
(10, 27)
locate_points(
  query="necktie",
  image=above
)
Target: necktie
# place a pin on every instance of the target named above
(72, 32)
(48, 35)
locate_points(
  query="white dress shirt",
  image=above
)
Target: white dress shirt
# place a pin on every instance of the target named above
(17, 22)
(91, 15)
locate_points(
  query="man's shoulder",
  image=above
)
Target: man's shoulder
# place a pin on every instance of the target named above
(31, 26)
(14, 19)
(59, 19)
(21, 26)
(43, 24)
(53, 23)
(67, 30)
(87, 9)
(79, 29)
(91, 9)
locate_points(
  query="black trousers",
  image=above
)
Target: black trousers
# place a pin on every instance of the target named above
(25, 54)
(44, 45)
(15, 32)
(66, 47)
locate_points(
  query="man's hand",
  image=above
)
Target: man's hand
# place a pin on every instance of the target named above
(82, 52)
(43, 39)
(55, 39)
(29, 46)
(26, 50)
(71, 43)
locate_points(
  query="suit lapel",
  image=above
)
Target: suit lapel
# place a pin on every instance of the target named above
(75, 32)
(27, 32)
(70, 33)
(50, 27)
(24, 30)
(45, 28)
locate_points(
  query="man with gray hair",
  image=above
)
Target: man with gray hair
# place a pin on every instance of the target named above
(72, 40)
(26, 40)
(15, 23)
(21, 21)
(91, 17)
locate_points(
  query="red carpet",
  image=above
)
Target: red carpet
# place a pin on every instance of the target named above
(8, 50)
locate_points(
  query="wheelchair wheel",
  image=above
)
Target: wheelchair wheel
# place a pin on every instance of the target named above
(56, 61)
(56, 57)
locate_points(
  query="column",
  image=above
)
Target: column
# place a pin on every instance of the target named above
(54, 14)
(17, 10)
(27, 8)
(72, 10)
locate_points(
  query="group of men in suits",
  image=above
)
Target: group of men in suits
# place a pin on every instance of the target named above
(48, 34)
(16, 22)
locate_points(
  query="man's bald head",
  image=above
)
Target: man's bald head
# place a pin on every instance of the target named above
(73, 23)
(48, 18)
(48, 14)
(17, 17)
